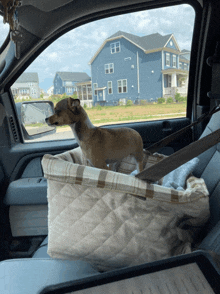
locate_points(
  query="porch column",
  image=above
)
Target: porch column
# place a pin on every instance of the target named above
(173, 80)
(103, 93)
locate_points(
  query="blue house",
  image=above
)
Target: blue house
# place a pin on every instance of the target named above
(129, 67)
(65, 82)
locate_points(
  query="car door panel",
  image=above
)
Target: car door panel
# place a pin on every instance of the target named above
(28, 220)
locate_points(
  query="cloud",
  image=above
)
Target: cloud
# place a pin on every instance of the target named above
(73, 51)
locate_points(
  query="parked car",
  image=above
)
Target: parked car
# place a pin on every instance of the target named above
(35, 26)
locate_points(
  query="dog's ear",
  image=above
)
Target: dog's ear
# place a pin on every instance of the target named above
(73, 102)
(76, 102)
(73, 105)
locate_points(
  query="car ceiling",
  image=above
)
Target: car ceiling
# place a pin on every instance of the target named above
(40, 22)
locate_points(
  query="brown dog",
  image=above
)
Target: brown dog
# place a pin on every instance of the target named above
(101, 146)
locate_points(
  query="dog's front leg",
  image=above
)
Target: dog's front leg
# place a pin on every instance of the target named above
(99, 163)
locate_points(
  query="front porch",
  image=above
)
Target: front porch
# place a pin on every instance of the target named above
(170, 91)
(174, 81)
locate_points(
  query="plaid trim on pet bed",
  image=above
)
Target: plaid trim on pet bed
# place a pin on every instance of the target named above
(118, 182)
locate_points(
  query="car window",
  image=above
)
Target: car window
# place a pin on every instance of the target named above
(4, 29)
(127, 68)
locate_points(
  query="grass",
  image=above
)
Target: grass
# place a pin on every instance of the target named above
(112, 114)
(137, 112)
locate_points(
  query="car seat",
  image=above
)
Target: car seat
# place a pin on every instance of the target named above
(30, 275)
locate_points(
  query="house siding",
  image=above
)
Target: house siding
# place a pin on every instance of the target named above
(145, 71)
(150, 76)
(29, 89)
(27, 85)
(125, 67)
(65, 82)
(61, 87)
(58, 85)
(171, 46)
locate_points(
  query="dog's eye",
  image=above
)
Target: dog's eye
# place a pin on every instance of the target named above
(57, 111)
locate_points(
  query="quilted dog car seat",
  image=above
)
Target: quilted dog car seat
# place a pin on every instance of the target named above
(26, 270)
(94, 216)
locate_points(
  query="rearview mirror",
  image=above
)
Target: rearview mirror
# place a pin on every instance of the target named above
(32, 116)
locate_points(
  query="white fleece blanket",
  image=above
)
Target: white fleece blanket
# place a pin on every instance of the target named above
(94, 216)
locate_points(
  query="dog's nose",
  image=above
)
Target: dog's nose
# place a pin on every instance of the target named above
(46, 119)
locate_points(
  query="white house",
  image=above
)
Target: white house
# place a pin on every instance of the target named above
(50, 91)
(27, 85)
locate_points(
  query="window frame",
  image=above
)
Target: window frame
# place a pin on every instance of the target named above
(167, 59)
(113, 47)
(94, 89)
(109, 67)
(110, 88)
(122, 86)
(174, 60)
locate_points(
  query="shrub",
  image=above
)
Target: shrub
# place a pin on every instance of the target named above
(143, 102)
(179, 98)
(169, 100)
(64, 96)
(129, 103)
(85, 106)
(161, 100)
(184, 99)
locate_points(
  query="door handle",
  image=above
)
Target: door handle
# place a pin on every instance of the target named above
(166, 127)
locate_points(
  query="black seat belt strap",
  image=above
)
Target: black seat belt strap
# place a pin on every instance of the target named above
(165, 166)
(164, 142)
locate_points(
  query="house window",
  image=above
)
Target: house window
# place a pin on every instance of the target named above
(110, 90)
(95, 85)
(174, 60)
(115, 47)
(167, 81)
(185, 66)
(69, 90)
(67, 83)
(180, 65)
(122, 86)
(167, 59)
(109, 68)
(89, 89)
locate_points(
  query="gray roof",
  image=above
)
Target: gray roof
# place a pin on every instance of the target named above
(28, 77)
(148, 42)
(74, 76)
(183, 57)
(185, 51)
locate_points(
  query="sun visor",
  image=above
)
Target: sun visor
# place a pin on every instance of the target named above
(46, 6)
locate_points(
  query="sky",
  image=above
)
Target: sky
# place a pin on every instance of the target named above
(73, 51)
